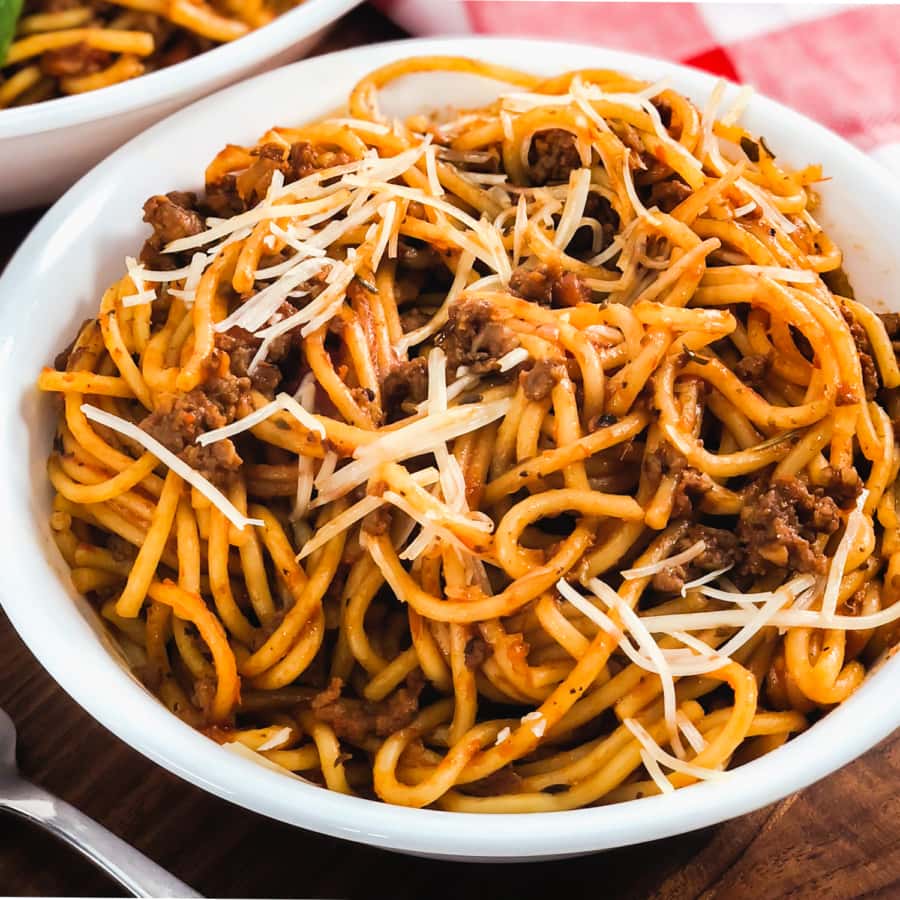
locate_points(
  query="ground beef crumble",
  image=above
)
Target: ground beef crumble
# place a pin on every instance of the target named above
(407, 382)
(753, 369)
(473, 338)
(552, 156)
(74, 61)
(172, 216)
(179, 419)
(720, 552)
(304, 159)
(844, 487)
(477, 652)
(548, 286)
(779, 523)
(538, 382)
(691, 484)
(241, 347)
(355, 720)
(222, 197)
(871, 382)
(666, 195)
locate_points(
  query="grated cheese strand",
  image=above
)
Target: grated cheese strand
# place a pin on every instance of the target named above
(839, 560)
(418, 335)
(678, 559)
(178, 466)
(666, 759)
(421, 436)
(332, 200)
(353, 514)
(339, 523)
(691, 732)
(276, 740)
(704, 579)
(573, 211)
(374, 550)
(652, 651)
(282, 403)
(588, 610)
(306, 397)
(513, 358)
(434, 183)
(656, 773)
(137, 274)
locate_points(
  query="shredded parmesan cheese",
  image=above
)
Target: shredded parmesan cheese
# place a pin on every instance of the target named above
(703, 579)
(369, 544)
(138, 275)
(434, 183)
(839, 560)
(422, 543)
(651, 649)
(420, 436)
(666, 759)
(513, 358)
(678, 559)
(736, 110)
(353, 514)
(388, 212)
(588, 610)
(306, 395)
(691, 732)
(656, 773)
(178, 466)
(282, 403)
(326, 470)
(339, 523)
(519, 228)
(640, 210)
(579, 188)
(278, 739)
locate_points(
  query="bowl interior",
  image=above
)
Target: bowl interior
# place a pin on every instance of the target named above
(55, 281)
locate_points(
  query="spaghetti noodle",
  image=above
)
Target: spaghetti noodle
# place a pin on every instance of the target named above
(62, 47)
(526, 459)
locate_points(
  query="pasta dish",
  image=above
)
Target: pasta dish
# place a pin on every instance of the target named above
(519, 458)
(61, 47)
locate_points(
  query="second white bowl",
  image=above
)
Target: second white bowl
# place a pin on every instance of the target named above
(46, 146)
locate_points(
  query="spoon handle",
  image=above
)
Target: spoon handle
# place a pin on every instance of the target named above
(136, 873)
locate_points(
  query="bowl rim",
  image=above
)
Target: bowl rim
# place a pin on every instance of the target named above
(173, 81)
(843, 734)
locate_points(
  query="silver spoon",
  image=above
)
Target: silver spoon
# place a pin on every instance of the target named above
(131, 869)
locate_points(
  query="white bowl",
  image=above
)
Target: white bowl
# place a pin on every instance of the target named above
(45, 147)
(55, 281)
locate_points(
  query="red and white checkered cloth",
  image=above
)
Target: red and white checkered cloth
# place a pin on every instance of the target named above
(838, 64)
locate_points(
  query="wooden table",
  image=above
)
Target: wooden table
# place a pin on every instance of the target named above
(838, 839)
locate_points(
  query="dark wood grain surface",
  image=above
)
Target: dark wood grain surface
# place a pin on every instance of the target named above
(837, 839)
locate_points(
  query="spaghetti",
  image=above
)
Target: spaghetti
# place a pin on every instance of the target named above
(62, 47)
(526, 459)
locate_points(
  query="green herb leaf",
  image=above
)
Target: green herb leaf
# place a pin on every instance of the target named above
(10, 10)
